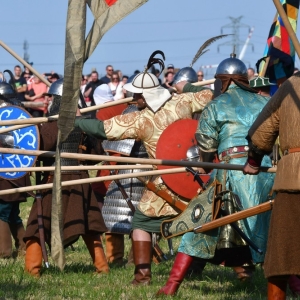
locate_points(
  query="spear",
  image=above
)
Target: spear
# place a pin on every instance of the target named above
(92, 180)
(75, 168)
(21, 123)
(164, 162)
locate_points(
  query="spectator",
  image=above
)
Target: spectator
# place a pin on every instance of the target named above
(107, 77)
(170, 68)
(91, 86)
(103, 94)
(124, 79)
(27, 77)
(35, 93)
(200, 76)
(26, 72)
(168, 80)
(251, 73)
(116, 86)
(20, 83)
(53, 77)
(83, 84)
(119, 73)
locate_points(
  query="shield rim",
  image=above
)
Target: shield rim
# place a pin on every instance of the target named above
(167, 178)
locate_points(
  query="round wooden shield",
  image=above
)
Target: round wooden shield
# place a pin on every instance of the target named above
(173, 144)
(26, 138)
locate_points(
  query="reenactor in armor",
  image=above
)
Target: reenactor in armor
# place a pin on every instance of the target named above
(222, 129)
(81, 214)
(158, 109)
(114, 197)
(10, 221)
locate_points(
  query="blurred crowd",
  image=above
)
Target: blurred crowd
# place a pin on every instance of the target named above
(32, 91)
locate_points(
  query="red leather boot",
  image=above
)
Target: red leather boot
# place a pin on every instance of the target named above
(180, 267)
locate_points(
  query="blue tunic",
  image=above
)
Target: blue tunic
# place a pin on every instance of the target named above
(224, 123)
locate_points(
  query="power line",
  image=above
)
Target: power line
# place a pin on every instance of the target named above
(235, 42)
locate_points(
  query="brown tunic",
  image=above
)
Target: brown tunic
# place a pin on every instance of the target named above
(9, 184)
(281, 116)
(81, 213)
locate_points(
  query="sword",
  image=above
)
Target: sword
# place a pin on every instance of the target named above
(225, 213)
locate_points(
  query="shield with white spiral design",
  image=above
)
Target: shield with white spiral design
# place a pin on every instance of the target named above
(26, 138)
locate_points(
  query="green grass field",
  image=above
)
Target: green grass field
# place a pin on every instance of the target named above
(78, 280)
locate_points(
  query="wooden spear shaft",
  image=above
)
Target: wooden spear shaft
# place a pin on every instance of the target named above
(249, 212)
(91, 180)
(165, 162)
(33, 121)
(21, 123)
(75, 168)
(24, 63)
(204, 82)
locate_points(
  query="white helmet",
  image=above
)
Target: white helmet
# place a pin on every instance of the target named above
(147, 84)
(142, 81)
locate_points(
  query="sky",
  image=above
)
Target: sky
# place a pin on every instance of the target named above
(176, 27)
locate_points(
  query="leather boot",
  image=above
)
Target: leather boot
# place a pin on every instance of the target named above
(277, 288)
(94, 245)
(244, 273)
(180, 267)
(142, 256)
(33, 258)
(114, 244)
(294, 285)
(18, 232)
(5, 240)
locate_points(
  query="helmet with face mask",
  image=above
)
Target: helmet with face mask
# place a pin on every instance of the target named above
(147, 84)
(55, 91)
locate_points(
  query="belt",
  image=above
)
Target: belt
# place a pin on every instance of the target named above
(234, 152)
(291, 150)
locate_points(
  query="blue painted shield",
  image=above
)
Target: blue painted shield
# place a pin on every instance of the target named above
(26, 138)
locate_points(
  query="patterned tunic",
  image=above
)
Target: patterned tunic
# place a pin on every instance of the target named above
(224, 123)
(147, 126)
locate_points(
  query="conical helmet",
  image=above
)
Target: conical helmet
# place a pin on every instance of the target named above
(56, 88)
(185, 74)
(232, 65)
(7, 91)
